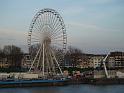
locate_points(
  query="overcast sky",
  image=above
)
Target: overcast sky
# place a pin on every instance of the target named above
(94, 26)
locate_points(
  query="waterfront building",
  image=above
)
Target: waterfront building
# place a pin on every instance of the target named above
(97, 60)
(78, 60)
(4, 63)
(26, 61)
(86, 61)
(111, 62)
(116, 60)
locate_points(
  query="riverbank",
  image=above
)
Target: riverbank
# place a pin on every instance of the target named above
(98, 81)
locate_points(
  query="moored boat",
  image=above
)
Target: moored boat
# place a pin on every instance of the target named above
(30, 83)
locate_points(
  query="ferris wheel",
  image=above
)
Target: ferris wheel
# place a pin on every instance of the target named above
(47, 41)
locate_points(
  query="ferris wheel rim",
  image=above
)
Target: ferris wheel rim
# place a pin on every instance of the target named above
(60, 18)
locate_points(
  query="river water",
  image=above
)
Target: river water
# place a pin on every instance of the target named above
(67, 89)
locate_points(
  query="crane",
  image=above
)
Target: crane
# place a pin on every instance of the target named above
(104, 65)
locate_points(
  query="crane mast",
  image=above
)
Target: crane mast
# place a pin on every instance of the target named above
(104, 65)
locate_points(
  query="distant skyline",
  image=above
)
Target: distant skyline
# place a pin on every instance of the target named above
(94, 26)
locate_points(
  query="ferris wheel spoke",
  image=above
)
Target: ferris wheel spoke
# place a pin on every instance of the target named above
(36, 24)
(50, 20)
(54, 33)
(55, 22)
(45, 18)
(50, 17)
(40, 26)
(57, 38)
(57, 29)
(35, 41)
(39, 17)
(57, 26)
(41, 20)
(54, 19)
(57, 33)
(34, 38)
(57, 44)
(36, 30)
(35, 35)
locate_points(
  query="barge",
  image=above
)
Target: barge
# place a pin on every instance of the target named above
(30, 83)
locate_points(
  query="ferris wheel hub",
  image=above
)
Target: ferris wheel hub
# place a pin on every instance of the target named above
(47, 40)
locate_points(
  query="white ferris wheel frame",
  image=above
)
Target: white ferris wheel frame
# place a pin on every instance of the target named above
(48, 23)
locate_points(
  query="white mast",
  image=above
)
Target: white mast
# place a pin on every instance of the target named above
(105, 69)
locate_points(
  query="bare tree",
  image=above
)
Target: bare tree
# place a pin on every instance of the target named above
(0, 51)
(72, 56)
(72, 50)
(13, 54)
(11, 50)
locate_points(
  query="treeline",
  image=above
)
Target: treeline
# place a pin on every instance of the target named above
(12, 55)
